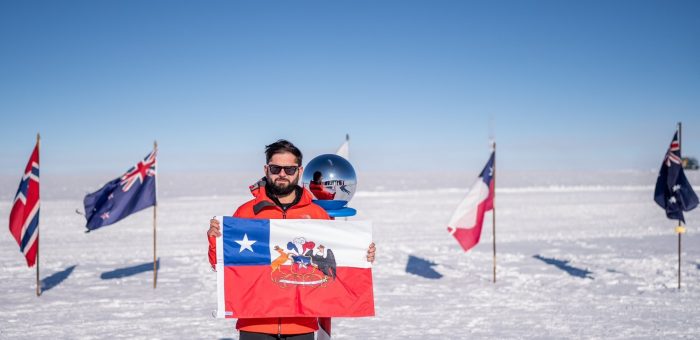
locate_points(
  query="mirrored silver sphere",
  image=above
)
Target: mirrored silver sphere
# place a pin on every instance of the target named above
(331, 179)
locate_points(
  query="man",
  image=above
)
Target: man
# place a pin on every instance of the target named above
(278, 195)
(316, 187)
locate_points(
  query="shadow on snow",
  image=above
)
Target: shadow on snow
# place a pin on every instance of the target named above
(564, 265)
(56, 278)
(422, 267)
(129, 271)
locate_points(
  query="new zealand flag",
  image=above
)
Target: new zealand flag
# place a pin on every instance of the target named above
(123, 196)
(673, 191)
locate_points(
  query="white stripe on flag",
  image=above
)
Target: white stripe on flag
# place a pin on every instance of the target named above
(344, 150)
(220, 313)
(347, 239)
(465, 214)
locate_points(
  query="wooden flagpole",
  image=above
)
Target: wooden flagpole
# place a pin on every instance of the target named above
(679, 230)
(38, 244)
(155, 209)
(493, 178)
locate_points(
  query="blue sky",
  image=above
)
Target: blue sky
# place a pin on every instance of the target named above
(419, 85)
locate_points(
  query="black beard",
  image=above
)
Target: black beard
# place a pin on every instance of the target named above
(279, 191)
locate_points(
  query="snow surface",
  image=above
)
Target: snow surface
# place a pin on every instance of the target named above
(580, 255)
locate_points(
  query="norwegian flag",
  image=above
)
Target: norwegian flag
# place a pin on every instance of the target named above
(24, 217)
(467, 220)
(673, 191)
(135, 190)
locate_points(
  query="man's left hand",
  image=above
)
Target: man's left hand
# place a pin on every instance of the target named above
(371, 252)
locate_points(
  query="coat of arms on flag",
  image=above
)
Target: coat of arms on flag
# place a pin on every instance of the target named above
(24, 217)
(290, 268)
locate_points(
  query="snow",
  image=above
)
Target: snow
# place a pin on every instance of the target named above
(579, 255)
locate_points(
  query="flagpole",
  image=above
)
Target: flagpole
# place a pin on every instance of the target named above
(38, 282)
(155, 209)
(679, 229)
(493, 178)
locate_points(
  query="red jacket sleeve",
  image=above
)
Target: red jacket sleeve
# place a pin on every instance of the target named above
(320, 192)
(212, 251)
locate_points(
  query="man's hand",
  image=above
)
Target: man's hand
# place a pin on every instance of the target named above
(371, 252)
(214, 228)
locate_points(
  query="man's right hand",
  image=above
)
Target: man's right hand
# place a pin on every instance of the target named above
(214, 229)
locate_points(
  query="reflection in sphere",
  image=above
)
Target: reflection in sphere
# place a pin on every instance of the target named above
(331, 179)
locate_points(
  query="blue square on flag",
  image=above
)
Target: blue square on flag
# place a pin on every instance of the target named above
(246, 242)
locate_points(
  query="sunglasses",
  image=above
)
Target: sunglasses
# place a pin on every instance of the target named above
(289, 170)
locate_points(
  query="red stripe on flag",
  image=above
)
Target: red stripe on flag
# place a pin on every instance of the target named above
(469, 237)
(255, 292)
(31, 254)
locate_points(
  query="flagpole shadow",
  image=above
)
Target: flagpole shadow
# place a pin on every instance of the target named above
(56, 278)
(564, 265)
(422, 267)
(130, 271)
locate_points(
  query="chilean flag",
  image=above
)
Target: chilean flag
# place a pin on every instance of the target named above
(293, 268)
(466, 222)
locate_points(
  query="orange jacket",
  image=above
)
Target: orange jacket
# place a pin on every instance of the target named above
(262, 207)
(320, 191)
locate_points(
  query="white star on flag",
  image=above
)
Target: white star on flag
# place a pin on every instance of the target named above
(245, 243)
(676, 187)
(672, 200)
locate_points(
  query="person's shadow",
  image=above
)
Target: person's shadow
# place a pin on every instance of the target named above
(129, 271)
(56, 278)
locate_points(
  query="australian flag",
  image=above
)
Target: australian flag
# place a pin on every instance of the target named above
(123, 196)
(673, 191)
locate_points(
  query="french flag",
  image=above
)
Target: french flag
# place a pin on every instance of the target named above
(293, 268)
(466, 222)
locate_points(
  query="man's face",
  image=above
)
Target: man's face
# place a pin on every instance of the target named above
(283, 183)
